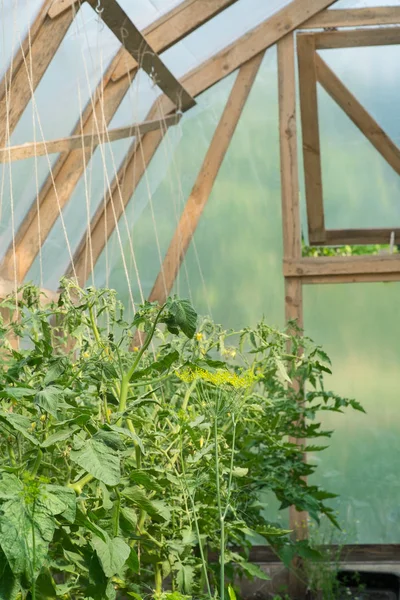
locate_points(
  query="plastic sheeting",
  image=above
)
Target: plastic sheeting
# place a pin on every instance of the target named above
(355, 175)
(233, 268)
(359, 328)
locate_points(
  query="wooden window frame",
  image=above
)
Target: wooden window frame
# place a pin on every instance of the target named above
(312, 70)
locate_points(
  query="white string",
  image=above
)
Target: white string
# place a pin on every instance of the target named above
(123, 211)
(101, 148)
(8, 93)
(36, 111)
(35, 157)
(182, 202)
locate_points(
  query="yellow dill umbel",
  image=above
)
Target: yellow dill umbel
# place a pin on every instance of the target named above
(218, 378)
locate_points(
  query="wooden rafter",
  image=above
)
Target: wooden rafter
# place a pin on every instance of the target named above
(357, 113)
(38, 49)
(136, 44)
(311, 138)
(60, 6)
(197, 81)
(355, 17)
(187, 17)
(202, 188)
(69, 168)
(87, 140)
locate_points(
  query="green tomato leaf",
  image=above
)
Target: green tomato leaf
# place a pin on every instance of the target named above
(59, 436)
(133, 561)
(59, 500)
(282, 370)
(48, 399)
(45, 586)
(10, 486)
(253, 570)
(26, 531)
(239, 471)
(17, 393)
(55, 370)
(84, 521)
(160, 366)
(129, 514)
(9, 586)
(156, 509)
(181, 316)
(21, 424)
(112, 554)
(127, 433)
(185, 578)
(99, 460)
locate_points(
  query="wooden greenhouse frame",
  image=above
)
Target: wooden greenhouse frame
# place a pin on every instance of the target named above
(302, 26)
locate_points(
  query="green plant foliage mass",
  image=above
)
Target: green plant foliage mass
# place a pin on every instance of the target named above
(133, 454)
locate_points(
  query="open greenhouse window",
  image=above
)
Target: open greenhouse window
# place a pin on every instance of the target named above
(313, 69)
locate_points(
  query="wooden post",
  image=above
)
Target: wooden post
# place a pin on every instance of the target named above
(205, 180)
(291, 237)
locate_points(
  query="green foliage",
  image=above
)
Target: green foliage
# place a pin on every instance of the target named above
(347, 250)
(121, 470)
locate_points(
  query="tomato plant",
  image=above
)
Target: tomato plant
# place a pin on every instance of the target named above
(123, 467)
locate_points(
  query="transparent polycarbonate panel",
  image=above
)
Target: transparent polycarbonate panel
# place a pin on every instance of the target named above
(69, 81)
(232, 23)
(92, 187)
(364, 3)
(147, 11)
(16, 16)
(360, 189)
(144, 233)
(359, 328)
(233, 268)
(19, 183)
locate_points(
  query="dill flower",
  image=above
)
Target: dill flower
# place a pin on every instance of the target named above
(218, 378)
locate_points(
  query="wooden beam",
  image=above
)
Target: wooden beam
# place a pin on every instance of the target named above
(347, 553)
(387, 36)
(350, 278)
(205, 180)
(288, 149)
(18, 58)
(165, 32)
(357, 113)
(69, 168)
(381, 264)
(16, 87)
(364, 237)
(84, 141)
(355, 17)
(60, 6)
(136, 44)
(265, 35)
(291, 240)
(311, 139)
(196, 82)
